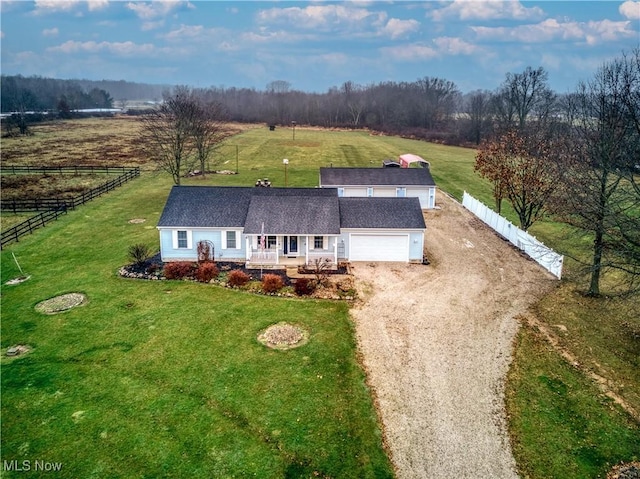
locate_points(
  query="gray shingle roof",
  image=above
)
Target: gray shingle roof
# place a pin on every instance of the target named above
(283, 210)
(206, 206)
(309, 211)
(293, 214)
(387, 213)
(376, 177)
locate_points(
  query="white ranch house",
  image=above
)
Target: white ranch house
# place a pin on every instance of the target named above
(289, 226)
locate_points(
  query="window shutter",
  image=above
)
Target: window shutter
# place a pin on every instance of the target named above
(174, 237)
(189, 239)
(224, 240)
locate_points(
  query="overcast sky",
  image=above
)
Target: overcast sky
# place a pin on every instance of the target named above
(314, 45)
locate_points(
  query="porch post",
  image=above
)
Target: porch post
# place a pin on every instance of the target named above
(306, 252)
(335, 250)
(248, 244)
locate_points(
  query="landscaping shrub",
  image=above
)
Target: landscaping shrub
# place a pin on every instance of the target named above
(304, 286)
(139, 253)
(206, 271)
(179, 270)
(237, 278)
(272, 283)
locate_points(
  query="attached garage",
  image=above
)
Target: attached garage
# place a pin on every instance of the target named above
(379, 247)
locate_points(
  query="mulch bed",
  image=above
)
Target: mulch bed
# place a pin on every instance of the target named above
(152, 270)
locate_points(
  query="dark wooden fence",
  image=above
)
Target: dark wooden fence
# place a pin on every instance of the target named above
(27, 227)
(46, 204)
(55, 207)
(64, 170)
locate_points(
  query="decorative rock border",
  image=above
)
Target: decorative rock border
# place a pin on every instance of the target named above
(60, 303)
(283, 336)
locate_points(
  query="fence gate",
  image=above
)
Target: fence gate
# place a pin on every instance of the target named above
(544, 256)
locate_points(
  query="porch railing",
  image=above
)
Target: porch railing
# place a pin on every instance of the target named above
(263, 256)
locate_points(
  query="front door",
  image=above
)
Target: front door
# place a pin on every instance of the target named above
(291, 245)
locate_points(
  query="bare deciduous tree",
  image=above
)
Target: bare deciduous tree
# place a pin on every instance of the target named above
(168, 132)
(523, 95)
(208, 130)
(600, 194)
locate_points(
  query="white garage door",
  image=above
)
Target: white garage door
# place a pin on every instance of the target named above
(369, 247)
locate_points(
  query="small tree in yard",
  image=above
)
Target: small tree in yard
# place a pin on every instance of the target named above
(519, 165)
(320, 267)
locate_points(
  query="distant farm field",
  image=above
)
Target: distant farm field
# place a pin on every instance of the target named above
(167, 380)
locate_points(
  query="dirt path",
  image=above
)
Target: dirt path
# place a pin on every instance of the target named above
(436, 344)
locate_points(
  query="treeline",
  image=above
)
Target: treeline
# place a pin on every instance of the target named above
(429, 108)
(23, 94)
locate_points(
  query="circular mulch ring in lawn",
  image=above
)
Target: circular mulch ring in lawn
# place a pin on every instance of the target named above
(137, 221)
(18, 280)
(284, 336)
(61, 303)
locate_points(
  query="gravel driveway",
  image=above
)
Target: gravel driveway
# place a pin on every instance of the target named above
(436, 345)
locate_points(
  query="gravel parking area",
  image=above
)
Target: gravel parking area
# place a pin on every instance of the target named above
(436, 344)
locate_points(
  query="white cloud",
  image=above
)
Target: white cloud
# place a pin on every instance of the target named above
(317, 16)
(46, 6)
(551, 30)
(97, 4)
(396, 28)
(152, 10)
(117, 48)
(50, 6)
(50, 32)
(486, 10)
(630, 9)
(185, 31)
(455, 46)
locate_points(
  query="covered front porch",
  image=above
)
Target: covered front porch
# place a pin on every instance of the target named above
(291, 250)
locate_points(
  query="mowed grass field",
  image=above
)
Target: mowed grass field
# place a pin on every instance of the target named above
(166, 379)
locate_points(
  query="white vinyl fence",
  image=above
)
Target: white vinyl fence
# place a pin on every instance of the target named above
(546, 257)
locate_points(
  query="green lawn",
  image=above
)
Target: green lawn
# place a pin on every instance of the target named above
(562, 425)
(167, 379)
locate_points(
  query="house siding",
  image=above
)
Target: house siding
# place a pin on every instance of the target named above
(169, 253)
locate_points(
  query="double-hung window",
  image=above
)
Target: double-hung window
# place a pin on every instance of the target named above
(183, 239)
(231, 238)
(401, 192)
(318, 242)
